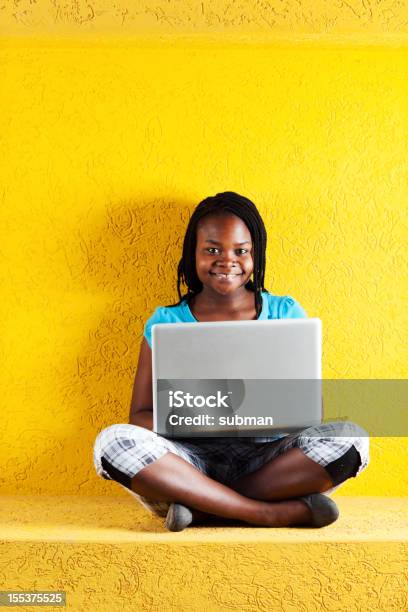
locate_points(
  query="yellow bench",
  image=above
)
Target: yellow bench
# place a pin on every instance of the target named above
(109, 553)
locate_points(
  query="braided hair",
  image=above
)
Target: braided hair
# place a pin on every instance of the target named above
(227, 202)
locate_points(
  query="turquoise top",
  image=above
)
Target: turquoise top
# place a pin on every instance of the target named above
(273, 307)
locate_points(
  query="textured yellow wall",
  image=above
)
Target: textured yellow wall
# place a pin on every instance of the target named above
(107, 146)
(238, 19)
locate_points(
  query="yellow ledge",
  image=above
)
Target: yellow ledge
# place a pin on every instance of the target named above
(110, 554)
(74, 519)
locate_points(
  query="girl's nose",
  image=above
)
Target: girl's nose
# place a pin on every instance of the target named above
(228, 258)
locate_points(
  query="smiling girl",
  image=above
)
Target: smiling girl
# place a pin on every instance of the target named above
(276, 481)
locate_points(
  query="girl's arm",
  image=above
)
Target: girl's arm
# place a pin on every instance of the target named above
(141, 409)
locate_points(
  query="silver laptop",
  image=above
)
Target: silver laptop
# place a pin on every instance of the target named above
(236, 378)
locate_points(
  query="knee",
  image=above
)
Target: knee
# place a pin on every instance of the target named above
(123, 436)
(100, 445)
(349, 429)
(360, 447)
(338, 429)
(120, 431)
(334, 430)
(334, 438)
(104, 438)
(359, 438)
(361, 442)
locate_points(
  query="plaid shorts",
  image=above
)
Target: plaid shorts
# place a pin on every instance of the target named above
(121, 450)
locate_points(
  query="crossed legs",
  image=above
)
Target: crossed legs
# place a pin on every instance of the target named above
(261, 498)
(270, 495)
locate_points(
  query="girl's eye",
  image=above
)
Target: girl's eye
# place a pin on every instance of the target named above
(242, 251)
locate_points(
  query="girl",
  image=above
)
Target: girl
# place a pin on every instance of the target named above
(276, 481)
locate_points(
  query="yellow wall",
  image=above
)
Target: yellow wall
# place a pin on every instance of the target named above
(360, 19)
(106, 147)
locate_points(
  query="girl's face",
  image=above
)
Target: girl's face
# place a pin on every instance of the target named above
(223, 253)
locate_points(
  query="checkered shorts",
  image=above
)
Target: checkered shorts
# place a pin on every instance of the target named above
(129, 448)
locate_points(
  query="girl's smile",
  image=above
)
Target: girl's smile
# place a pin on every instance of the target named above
(225, 277)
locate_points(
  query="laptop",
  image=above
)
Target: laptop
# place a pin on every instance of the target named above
(236, 378)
